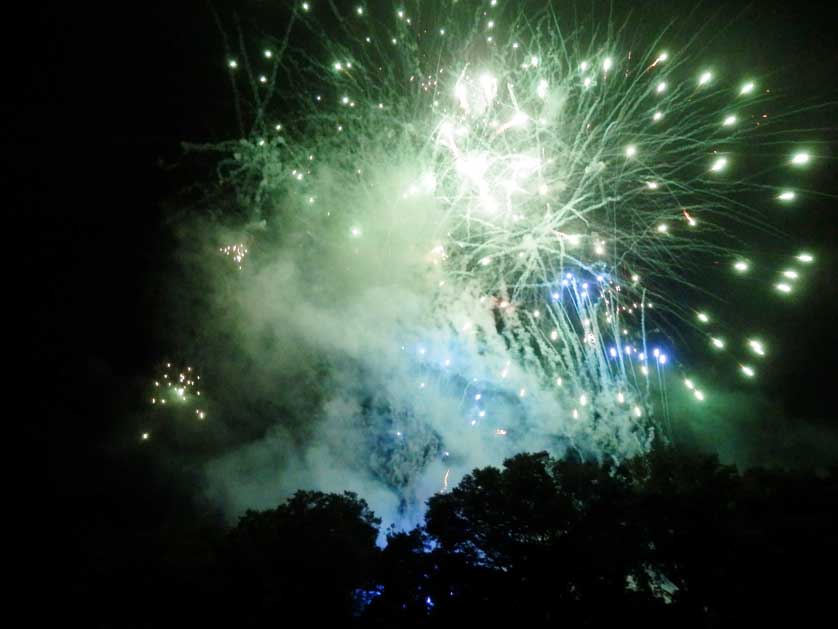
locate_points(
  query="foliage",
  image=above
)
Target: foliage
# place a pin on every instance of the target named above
(670, 538)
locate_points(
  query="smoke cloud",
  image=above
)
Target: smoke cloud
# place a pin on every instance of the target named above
(341, 357)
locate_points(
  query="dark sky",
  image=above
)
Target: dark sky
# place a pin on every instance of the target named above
(99, 99)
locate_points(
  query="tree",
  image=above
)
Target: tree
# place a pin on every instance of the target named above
(667, 539)
(543, 540)
(304, 559)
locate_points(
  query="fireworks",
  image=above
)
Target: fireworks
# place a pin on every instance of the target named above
(554, 196)
(176, 389)
(175, 385)
(237, 253)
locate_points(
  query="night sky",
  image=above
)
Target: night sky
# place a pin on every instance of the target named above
(94, 123)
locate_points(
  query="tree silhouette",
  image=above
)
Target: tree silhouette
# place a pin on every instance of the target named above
(304, 559)
(668, 539)
(545, 540)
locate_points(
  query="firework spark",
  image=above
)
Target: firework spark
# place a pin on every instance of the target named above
(175, 389)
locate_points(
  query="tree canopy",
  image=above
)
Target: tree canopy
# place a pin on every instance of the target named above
(671, 537)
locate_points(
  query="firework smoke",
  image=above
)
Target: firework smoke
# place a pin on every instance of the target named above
(460, 232)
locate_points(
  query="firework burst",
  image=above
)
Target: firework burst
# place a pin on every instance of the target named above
(554, 193)
(175, 391)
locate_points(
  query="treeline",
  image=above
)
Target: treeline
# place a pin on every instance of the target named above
(667, 540)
